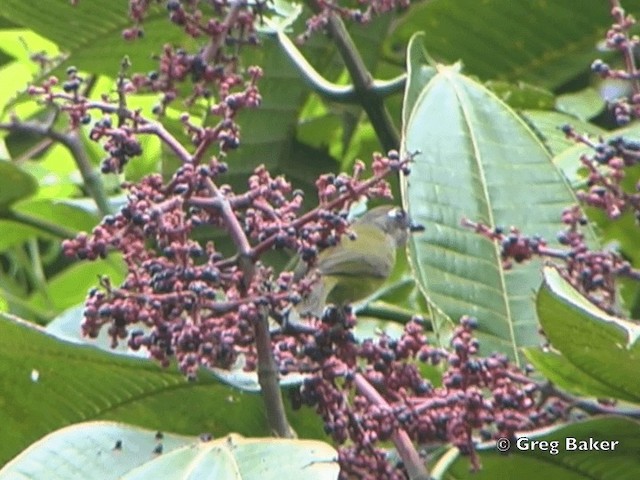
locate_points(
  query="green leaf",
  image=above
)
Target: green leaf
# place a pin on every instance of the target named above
(56, 455)
(70, 287)
(15, 233)
(91, 32)
(15, 184)
(522, 95)
(88, 451)
(14, 76)
(565, 374)
(420, 70)
(59, 212)
(478, 160)
(583, 105)
(548, 126)
(539, 42)
(603, 347)
(82, 383)
(620, 463)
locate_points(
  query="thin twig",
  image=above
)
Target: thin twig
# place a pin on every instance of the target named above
(72, 142)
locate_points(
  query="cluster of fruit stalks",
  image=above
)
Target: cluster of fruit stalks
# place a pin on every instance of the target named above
(191, 17)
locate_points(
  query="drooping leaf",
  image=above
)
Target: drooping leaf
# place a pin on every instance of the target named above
(603, 347)
(478, 160)
(108, 450)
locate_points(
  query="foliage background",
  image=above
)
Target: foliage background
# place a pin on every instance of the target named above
(534, 55)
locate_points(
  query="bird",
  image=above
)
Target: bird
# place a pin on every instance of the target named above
(359, 264)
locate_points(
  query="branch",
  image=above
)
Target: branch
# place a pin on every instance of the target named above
(267, 369)
(627, 53)
(413, 463)
(210, 53)
(329, 90)
(364, 85)
(72, 142)
(587, 406)
(47, 227)
(157, 129)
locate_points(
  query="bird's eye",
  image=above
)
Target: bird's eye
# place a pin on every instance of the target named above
(397, 214)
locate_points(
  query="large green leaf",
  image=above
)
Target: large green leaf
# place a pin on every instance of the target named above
(15, 184)
(107, 450)
(477, 159)
(545, 43)
(90, 32)
(603, 347)
(75, 383)
(565, 374)
(619, 463)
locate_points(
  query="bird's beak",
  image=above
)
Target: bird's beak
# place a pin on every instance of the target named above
(416, 227)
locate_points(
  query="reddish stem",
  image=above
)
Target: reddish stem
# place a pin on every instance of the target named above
(413, 463)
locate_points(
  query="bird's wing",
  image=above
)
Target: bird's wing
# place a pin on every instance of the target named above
(352, 259)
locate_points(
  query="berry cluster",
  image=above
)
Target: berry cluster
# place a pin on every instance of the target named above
(363, 13)
(119, 126)
(215, 71)
(367, 392)
(592, 272)
(607, 168)
(610, 187)
(618, 38)
(196, 304)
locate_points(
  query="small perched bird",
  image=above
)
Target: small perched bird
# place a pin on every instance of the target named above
(356, 267)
